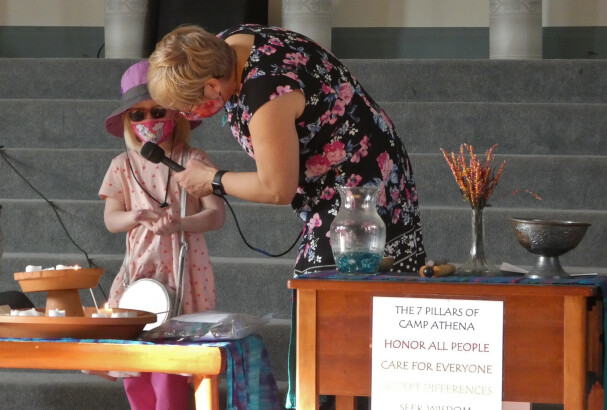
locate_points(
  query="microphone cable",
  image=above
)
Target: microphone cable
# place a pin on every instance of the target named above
(251, 246)
(54, 208)
(155, 154)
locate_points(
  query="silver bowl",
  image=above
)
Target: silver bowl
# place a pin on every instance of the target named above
(548, 239)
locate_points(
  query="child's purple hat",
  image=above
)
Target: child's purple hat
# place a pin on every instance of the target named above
(133, 88)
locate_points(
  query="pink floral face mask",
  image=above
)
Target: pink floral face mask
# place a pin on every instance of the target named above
(206, 110)
(155, 131)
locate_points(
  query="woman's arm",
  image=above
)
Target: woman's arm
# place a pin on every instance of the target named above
(276, 148)
(211, 217)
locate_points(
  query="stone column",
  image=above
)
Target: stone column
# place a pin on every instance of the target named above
(515, 29)
(128, 28)
(313, 18)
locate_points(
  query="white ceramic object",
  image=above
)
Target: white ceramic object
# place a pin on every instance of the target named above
(127, 28)
(313, 18)
(515, 29)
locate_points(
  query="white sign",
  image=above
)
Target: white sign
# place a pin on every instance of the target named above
(436, 354)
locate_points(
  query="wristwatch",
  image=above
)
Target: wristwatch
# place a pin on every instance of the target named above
(217, 185)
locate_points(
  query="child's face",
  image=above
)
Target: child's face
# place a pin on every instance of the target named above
(150, 122)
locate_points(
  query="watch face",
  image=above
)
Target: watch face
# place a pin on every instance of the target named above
(217, 189)
(217, 185)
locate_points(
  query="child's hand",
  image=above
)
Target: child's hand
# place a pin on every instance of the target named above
(146, 215)
(167, 224)
(147, 218)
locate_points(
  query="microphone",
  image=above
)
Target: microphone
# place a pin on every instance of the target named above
(155, 154)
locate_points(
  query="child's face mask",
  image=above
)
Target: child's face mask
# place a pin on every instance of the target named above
(155, 131)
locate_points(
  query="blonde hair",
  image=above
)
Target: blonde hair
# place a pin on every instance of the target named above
(181, 134)
(184, 60)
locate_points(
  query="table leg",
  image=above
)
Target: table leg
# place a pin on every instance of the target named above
(206, 392)
(307, 389)
(345, 403)
(595, 398)
(574, 354)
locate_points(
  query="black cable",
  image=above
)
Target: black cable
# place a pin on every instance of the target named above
(99, 51)
(252, 247)
(54, 208)
(166, 192)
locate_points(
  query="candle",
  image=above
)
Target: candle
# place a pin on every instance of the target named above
(56, 313)
(28, 312)
(124, 314)
(105, 312)
(63, 267)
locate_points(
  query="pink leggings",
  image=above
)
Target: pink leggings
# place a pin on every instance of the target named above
(158, 391)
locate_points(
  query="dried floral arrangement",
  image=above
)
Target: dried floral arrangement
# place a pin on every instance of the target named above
(476, 178)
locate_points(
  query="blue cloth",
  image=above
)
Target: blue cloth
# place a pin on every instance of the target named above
(590, 280)
(250, 381)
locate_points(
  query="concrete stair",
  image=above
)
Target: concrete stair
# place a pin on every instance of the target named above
(547, 117)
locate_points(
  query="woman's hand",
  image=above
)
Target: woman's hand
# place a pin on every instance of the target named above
(197, 177)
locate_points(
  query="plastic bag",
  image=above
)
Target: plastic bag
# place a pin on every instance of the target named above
(206, 326)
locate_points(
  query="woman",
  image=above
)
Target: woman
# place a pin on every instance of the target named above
(308, 124)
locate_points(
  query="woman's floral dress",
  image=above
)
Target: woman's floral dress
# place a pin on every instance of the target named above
(345, 138)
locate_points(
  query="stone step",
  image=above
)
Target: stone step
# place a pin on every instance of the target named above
(579, 81)
(32, 226)
(446, 232)
(77, 175)
(73, 390)
(542, 128)
(386, 80)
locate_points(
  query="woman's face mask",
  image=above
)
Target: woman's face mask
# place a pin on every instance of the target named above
(204, 110)
(155, 131)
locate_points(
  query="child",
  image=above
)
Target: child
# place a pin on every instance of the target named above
(142, 199)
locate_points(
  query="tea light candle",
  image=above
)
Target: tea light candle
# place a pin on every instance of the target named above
(105, 312)
(124, 314)
(56, 313)
(28, 312)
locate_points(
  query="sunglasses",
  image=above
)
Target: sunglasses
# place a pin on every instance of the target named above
(138, 114)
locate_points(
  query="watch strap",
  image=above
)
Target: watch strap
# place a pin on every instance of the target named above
(217, 185)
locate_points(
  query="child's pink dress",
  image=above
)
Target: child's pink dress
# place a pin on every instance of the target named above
(157, 257)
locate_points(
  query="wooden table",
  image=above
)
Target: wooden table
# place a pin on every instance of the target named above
(203, 362)
(552, 337)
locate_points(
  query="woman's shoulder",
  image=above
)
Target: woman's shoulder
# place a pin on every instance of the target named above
(240, 29)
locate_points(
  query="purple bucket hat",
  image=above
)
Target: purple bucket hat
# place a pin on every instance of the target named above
(133, 88)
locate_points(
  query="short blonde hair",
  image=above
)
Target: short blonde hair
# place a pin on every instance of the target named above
(184, 60)
(181, 134)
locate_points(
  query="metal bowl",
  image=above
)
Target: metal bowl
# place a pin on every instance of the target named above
(548, 239)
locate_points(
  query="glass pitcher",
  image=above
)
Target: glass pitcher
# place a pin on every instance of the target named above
(358, 234)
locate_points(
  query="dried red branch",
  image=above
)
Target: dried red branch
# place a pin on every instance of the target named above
(476, 180)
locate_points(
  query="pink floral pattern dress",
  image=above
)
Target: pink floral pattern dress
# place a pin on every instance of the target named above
(155, 256)
(345, 138)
